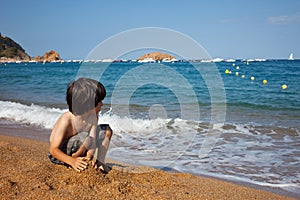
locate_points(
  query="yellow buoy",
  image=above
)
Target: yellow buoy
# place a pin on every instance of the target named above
(236, 73)
(265, 81)
(252, 78)
(226, 71)
(243, 76)
(284, 86)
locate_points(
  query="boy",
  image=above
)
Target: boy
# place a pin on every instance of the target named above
(76, 138)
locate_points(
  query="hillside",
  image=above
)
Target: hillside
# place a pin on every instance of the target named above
(9, 49)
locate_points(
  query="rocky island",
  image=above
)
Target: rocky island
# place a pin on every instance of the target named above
(156, 56)
(11, 51)
(48, 57)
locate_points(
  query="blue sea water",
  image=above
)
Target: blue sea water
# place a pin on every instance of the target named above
(162, 113)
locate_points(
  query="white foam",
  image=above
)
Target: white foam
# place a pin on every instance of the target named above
(46, 117)
(132, 126)
(33, 114)
(291, 187)
(144, 127)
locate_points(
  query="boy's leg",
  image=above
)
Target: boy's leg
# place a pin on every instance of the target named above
(75, 142)
(70, 146)
(104, 134)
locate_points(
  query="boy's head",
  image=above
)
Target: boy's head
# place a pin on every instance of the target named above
(84, 94)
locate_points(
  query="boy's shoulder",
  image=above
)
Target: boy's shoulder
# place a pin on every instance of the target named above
(68, 114)
(66, 118)
(63, 126)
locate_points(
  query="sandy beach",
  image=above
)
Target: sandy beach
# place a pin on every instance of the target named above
(27, 173)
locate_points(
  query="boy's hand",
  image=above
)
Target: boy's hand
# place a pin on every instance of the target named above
(79, 164)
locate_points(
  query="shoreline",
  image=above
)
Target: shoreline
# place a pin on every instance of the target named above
(32, 140)
(199, 60)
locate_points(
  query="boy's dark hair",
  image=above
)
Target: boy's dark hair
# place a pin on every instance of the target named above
(84, 94)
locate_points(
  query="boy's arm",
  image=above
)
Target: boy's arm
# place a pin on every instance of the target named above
(57, 136)
(79, 152)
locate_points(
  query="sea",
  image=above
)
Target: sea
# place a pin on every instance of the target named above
(237, 121)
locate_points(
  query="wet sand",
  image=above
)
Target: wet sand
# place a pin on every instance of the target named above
(26, 172)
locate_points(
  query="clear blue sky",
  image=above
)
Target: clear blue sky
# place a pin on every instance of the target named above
(226, 29)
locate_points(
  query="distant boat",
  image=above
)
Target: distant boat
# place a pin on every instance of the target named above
(217, 59)
(212, 60)
(107, 60)
(230, 60)
(291, 56)
(169, 61)
(259, 59)
(166, 60)
(147, 60)
(206, 61)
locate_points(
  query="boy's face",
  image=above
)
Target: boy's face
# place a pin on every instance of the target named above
(98, 107)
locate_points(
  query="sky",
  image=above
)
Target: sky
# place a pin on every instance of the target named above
(239, 29)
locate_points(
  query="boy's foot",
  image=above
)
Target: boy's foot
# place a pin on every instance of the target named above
(102, 167)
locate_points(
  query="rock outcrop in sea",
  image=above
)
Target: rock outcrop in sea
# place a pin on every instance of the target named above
(48, 57)
(157, 56)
